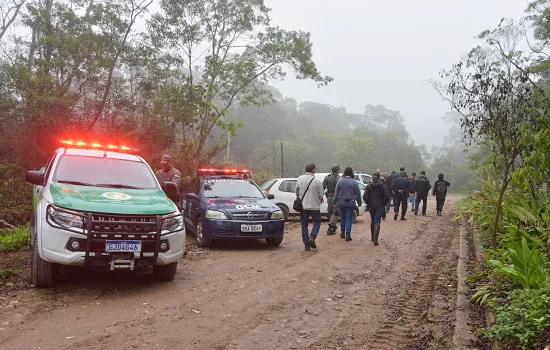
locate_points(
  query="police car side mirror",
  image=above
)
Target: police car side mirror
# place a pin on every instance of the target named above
(34, 177)
(270, 196)
(171, 190)
(191, 196)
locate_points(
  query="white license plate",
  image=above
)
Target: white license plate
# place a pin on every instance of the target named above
(252, 228)
(122, 246)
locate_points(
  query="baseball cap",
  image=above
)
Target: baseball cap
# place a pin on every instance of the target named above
(165, 159)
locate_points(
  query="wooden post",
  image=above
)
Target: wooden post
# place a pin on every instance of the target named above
(283, 171)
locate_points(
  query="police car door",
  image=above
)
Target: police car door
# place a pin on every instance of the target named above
(191, 208)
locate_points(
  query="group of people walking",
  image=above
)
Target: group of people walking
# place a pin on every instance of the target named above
(343, 194)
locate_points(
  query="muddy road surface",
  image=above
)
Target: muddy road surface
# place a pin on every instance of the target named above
(246, 295)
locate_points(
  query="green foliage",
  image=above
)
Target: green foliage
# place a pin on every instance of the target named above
(522, 317)
(261, 177)
(522, 265)
(7, 273)
(15, 239)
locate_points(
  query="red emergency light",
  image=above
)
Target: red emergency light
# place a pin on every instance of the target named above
(96, 145)
(210, 171)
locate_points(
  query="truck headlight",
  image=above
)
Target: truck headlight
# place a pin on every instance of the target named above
(172, 223)
(215, 215)
(64, 219)
(277, 215)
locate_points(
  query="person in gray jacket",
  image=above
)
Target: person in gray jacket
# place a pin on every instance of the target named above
(346, 194)
(310, 191)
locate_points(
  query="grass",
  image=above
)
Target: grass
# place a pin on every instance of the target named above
(14, 239)
(7, 273)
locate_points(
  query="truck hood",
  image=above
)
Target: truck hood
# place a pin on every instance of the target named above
(241, 204)
(111, 200)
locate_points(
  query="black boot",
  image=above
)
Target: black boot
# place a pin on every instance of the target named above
(376, 234)
(331, 229)
(372, 232)
(395, 216)
(403, 217)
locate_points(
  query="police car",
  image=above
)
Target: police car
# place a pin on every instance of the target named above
(101, 207)
(226, 204)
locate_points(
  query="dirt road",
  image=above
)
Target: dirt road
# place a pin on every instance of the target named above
(344, 295)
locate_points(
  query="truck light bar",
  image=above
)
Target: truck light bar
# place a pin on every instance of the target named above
(96, 145)
(211, 171)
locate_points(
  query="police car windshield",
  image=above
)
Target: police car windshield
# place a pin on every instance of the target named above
(231, 188)
(104, 172)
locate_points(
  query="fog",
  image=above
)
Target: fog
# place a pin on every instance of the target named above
(384, 52)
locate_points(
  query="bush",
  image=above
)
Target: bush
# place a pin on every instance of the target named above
(522, 317)
(15, 239)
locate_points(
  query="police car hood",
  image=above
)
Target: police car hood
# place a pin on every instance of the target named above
(234, 205)
(111, 200)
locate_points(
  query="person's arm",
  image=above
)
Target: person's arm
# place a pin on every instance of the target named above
(357, 194)
(366, 195)
(320, 190)
(325, 182)
(298, 188)
(177, 177)
(336, 192)
(434, 191)
(429, 186)
(386, 195)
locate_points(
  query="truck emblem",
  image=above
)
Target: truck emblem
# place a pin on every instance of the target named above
(117, 196)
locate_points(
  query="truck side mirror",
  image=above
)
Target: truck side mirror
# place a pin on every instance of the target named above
(171, 190)
(35, 177)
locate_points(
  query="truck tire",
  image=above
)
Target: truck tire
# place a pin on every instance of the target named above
(43, 273)
(274, 241)
(165, 272)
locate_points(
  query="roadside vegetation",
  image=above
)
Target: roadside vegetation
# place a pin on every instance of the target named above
(501, 91)
(13, 239)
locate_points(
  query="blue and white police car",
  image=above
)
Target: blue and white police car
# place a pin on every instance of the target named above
(224, 204)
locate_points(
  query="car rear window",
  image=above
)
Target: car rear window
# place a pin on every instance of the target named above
(267, 185)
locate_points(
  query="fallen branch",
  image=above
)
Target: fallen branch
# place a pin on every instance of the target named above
(4, 223)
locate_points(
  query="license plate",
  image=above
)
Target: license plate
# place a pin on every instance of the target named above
(252, 228)
(122, 246)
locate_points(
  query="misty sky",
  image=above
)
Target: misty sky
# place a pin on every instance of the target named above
(384, 52)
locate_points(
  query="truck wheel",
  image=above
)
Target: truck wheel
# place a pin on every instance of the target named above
(43, 273)
(202, 240)
(285, 211)
(274, 241)
(165, 272)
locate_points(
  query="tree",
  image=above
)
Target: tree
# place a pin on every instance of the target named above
(223, 52)
(9, 10)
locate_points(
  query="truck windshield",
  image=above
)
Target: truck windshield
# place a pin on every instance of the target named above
(231, 188)
(104, 172)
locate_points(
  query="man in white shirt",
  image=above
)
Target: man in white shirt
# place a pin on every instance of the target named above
(310, 191)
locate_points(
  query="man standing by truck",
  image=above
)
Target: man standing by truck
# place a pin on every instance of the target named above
(329, 185)
(168, 172)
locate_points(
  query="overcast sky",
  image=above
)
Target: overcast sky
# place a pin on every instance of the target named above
(384, 52)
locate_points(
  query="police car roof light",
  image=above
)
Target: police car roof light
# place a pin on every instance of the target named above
(96, 145)
(223, 171)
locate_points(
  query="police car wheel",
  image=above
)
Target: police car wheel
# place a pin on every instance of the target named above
(165, 272)
(274, 241)
(202, 241)
(43, 273)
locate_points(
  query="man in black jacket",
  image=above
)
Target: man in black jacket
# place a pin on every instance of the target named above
(401, 187)
(376, 196)
(440, 192)
(389, 183)
(422, 188)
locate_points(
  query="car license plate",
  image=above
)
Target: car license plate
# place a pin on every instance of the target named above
(122, 246)
(252, 228)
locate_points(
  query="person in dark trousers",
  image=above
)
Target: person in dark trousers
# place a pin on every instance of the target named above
(389, 184)
(376, 196)
(329, 185)
(422, 188)
(310, 191)
(412, 197)
(401, 188)
(346, 194)
(383, 179)
(440, 192)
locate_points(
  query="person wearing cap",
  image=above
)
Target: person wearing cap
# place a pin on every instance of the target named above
(168, 172)
(329, 185)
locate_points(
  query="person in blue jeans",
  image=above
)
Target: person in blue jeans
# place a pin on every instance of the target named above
(310, 191)
(346, 194)
(376, 196)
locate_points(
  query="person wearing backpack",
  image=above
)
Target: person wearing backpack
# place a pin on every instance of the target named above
(440, 192)
(376, 196)
(346, 194)
(309, 196)
(422, 187)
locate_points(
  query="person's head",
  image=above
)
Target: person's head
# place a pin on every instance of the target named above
(402, 168)
(378, 170)
(166, 162)
(413, 175)
(376, 176)
(393, 172)
(440, 176)
(422, 173)
(310, 168)
(349, 172)
(335, 168)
